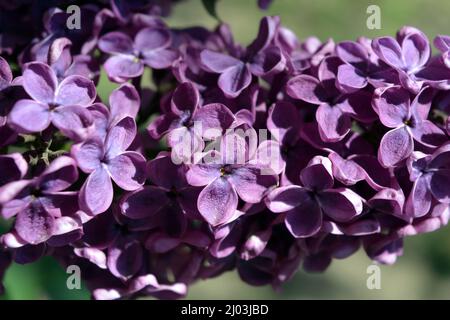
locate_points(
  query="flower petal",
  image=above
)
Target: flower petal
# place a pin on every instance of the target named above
(40, 82)
(116, 42)
(333, 123)
(304, 220)
(143, 203)
(306, 88)
(127, 170)
(235, 79)
(286, 198)
(395, 146)
(218, 202)
(34, 224)
(75, 90)
(29, 116)
(250, 184)
(318, 174)
(121, 68)
(96, 194)
(75, 122)
(120, 137)
(341, 204)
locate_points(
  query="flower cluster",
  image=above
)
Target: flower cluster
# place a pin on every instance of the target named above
(260, 158)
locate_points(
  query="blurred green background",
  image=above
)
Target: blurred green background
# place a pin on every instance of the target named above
(424, 270)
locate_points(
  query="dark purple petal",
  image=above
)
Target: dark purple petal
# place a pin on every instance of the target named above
(340, 204)
(214, 118)
(304, 220)
(235, 79)
(419, 200)
(318, 175)
(143, 203)
(59, 175)
(284, 199)
(125, 260)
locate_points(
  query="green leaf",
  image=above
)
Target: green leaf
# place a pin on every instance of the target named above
(210, 6)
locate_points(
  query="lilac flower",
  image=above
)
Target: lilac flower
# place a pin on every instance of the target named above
(409, 122)
(335, 108)
(5, 74)
(42, 208)
(359, 69)
(60, 103)
(150, 47)
(307, 207)
(443, 44)
(408, 55)
(181, 122)
(431, 176)
(106, 160)
(260, 59)
(227, 174)
(170, 202)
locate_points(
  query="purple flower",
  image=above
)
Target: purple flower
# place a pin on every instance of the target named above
(61, 103)
(150, 47)
(231, 172)
(169, 202)
(335, 108)
(408, 55)
(43, 210)
(106, 160)
(259, 59)
(442, 43)
(359, 69)
(431, 177)
(187, 123)
(308, 206)
(409, 122)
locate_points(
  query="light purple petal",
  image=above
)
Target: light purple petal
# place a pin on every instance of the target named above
(218, 202)
(121, 68)
(217, 62)
(127, 170)
(75, 90)
(124, 102)
(419, 200)
(88, 155)
(392, 106)
(96, 195)
(34, 224)
(306, 88)
(116, 42)
(75, 122)
(333, 123)
(40, 82)
(120, 137)
(250, 184)
(395, 146)
(214, 118)
(29, 116)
